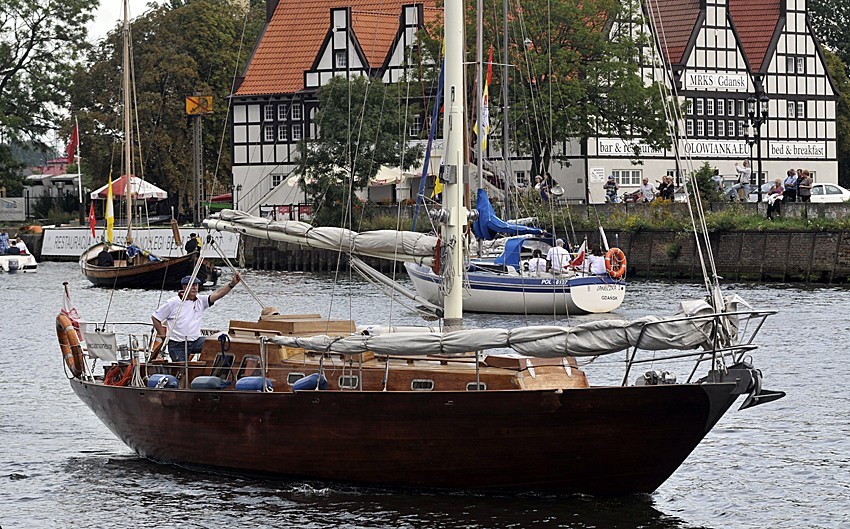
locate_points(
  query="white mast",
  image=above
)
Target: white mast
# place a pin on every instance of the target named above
(128, 195)
(453, 138)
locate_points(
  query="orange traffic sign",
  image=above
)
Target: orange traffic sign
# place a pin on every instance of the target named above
(199, 105)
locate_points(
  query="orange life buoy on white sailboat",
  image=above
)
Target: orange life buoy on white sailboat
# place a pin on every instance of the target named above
(69, 343)
(615, 263)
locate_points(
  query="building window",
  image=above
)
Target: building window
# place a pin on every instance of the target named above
(700, 110)
(709, 107)
(700, 128)
(709, 127)
(721, 128)
(341, 59)
(721, 107)
(281, 113)
(269, 132)
(296, 132)
(276, 179)
(730, 106)
(742, 108)
(296, 112)
(789, 64)
(740, 128)
(520, 177)
(627, 177)
(801, 109)
(792, 109)
(689, 127)
(282, 133)
(801, 65)
(731, 128)
(416, 126)
(269, 112)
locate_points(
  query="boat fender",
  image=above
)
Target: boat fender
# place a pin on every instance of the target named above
(69, 343)
(615, 263)
(160, 380)
(208, 382)
(253, 384)
(310, 382)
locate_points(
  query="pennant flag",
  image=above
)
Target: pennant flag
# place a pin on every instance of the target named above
(92, 220)
(438, 187)
(580, 256)
(110, 211)
(68, 309)
(485, 105)
(72, 144)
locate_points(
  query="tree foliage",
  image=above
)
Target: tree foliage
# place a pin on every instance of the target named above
(838, 70)
(831, 22)
(178, 50)
(40, 43)
(575, 73)
(363, 125)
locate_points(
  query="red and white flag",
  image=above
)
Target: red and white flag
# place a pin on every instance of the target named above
(72, 144)
(580, 255)
(68, 309)
(92, 220)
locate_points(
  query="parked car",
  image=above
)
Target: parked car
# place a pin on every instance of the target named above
(821, 192)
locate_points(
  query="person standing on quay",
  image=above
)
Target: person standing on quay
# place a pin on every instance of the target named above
(804, 187)
(790, 184)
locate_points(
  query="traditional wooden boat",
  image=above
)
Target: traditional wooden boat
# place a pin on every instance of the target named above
(140, 269)
(311, 398)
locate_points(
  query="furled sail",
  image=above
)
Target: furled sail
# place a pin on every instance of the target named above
(489, 226)
(697, 325)
(408, 246)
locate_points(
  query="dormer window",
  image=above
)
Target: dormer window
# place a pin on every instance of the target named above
(341, 59)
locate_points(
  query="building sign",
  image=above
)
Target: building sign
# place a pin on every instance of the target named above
(715, 149)
(797, 149)
(72, 242)
(618, 147)
(715, 81)
(597, 175)
(12, 209)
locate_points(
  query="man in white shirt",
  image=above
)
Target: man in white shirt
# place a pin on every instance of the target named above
(536, 264)
(557, 258)
(184, 319)
(745, 173)
(647, 191)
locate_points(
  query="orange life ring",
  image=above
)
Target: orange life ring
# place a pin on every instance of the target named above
(119, 375)
(615, 263)
(69, 343)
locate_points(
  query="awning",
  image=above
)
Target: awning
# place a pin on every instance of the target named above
(394, 175)
(140, 189)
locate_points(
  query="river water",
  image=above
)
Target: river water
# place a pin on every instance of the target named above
(784, 464)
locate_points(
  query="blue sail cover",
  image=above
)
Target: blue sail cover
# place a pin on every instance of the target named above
(489, 226)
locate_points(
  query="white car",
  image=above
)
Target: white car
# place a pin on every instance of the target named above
(821, 193)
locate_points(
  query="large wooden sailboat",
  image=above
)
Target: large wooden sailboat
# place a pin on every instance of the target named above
(306, 397)
(130, 266)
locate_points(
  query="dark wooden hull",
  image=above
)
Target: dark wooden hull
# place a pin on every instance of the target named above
(607, 440)
(166, 273)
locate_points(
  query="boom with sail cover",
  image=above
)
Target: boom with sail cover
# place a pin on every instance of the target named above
(488, 226)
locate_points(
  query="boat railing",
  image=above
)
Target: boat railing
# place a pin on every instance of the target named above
(734, 349)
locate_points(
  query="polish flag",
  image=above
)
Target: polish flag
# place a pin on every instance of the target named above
(72, 144)
(580, 256)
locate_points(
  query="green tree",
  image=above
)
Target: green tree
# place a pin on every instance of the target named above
(178, 50)
(575, 74)
(838, 70)
(40, 44)
(362, 126)
(831, 22)
(708, 190)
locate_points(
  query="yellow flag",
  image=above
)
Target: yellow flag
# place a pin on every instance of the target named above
(438, 188)
(110, 211)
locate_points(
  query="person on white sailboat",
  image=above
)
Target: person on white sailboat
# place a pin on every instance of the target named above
(594, 262)
(557, 258)
(536, 265)
(185, 322)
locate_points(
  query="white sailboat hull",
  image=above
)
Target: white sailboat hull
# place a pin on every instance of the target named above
(514, 294)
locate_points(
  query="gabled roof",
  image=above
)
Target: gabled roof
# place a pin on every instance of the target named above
(755, 22)
(293, 38)
(674, 24)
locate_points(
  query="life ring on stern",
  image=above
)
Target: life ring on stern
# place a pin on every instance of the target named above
(69, 343)
(615, 263)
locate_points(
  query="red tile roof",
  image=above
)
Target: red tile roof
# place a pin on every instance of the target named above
(297, 30)
(755, 21)
(674, 24)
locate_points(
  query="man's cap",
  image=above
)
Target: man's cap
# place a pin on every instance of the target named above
(193, 235)
(610, 177)
(185, 280)
(559, 242)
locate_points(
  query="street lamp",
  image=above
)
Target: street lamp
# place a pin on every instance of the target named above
(757, 117)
